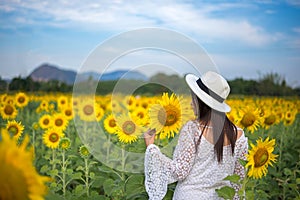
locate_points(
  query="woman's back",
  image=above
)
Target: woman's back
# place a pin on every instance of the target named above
(206, 172)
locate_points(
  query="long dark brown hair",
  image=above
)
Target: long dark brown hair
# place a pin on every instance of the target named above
(221, 126)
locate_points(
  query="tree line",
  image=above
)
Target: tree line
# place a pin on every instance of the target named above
(268, 85)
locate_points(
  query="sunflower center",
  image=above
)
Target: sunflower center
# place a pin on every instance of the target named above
(62, 101)
(88, 109)
(261, 157)
(248, 119)
(53, 137)
(141, 115)
(168, 116)
(112, 123)
(59, 122)
(8, 110)
(270, 119)
(46, 121)
(21, 99)
(13, 130)
(128, 127)
(130, 102)
(145, 105)
(68, 112)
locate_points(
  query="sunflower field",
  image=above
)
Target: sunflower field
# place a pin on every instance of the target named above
(60, 146)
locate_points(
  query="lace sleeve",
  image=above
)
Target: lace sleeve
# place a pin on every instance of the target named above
(161, 170)
(241, 149)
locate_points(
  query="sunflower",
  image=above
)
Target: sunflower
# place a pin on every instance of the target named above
(10, 100)
(233, 116)
(65, 143)
(110, 124)
(99, 113)
(8, 111)
(18, 177)
(68, 112)
(21, 100)
(169, 115)
(250, 119)
(289, 117)
(45, 121)
(44, 106)
(130, 102)
(260, 157)
(128, 131)
(84, 152)
(87, 110)
(62, 102)
(140, 115)
(59, 121)
(270, 119)
(15, 129)
(51, 137)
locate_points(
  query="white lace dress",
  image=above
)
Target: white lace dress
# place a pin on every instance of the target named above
(198, 174)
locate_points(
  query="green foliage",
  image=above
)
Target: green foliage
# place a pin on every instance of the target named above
(283, 179)
(271, 84)
(226, 192)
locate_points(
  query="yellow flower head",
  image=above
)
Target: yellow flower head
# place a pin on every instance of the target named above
(21, 100)
(51, 138)
(44, 106)
(68, 112)
(8, 111)
(59, 121)
(270, 119)
(169, 115)
(62, 102)
(110, 124)
(251, 119)
(140, 115)
(260, 157)
(128, 131)
(289, 117)
(15, 128)
(87, 110)
(18, 177)
(45, 121)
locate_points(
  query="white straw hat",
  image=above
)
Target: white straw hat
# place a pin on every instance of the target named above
(211, 88)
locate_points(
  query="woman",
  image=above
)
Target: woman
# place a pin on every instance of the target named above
(208, 149)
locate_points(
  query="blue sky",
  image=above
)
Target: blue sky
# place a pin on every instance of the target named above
(244, 38)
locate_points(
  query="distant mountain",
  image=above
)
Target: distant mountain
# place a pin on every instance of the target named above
(124, 74)
(47, 72)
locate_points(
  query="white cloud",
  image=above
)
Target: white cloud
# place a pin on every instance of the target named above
(293, 2)
(195, 18)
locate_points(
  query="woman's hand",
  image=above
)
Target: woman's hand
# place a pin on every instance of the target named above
(149, 136)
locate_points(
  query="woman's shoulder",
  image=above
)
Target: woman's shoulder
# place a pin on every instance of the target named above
(191, 125)
(240, 132)
(241, 138)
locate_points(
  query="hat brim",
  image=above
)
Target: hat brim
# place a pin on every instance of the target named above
(191, 80)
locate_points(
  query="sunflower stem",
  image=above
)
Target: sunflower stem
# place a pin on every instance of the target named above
(63, 169)
(123, 163)
(86, 176)
(108, 148)
(84, 131)
(33, 146)
(280, 149)
(53, 159)
(243, 188)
